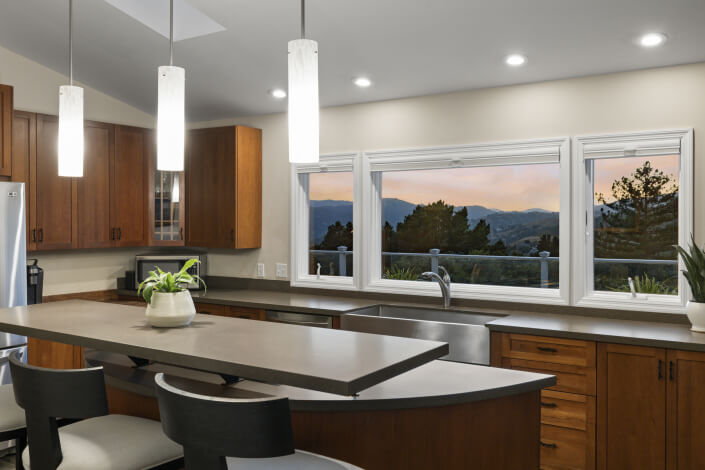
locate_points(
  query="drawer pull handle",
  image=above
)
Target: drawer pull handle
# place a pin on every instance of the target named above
(550, 446)
(548, 405)
(545, 349)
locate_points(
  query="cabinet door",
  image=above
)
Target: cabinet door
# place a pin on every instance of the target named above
(128, 194)
(210, 185)
(55, 215)
(631, 407)
(6, 130)
(167, 196)
(93, 189)
(686, 410)
(24, 161)
(248, 184)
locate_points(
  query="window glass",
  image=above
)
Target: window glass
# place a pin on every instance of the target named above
(492, 225)
(331, 223)
(635, 220)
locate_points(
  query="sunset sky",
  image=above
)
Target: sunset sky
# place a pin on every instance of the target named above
(507, 188)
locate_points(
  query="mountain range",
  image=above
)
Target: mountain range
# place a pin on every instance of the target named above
(519, 230)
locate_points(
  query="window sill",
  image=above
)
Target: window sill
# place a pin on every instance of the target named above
(325, 282)
(644, 302)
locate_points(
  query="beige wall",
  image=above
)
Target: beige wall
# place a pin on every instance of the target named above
(36, 89)
(664, 98)
(653, 99)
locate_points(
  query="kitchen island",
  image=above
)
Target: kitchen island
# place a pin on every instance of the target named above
(376, 401)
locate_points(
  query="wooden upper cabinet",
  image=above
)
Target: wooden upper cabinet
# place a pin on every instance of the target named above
(631, 407)
(55, 214)
(686, 410)
(6, 130)
(129, 211)
(24, 164)
(224, 187)
(93, 188)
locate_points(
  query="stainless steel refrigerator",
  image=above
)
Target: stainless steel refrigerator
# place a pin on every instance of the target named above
(13, 267)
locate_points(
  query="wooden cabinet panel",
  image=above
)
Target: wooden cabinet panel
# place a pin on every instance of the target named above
(55, 215)
(224, 188)
(212, 309)
(93, 189)
(564, 449)
(24, 161)
(571, 379)
(631, 407)
(568, 410)
(6, 130)
(129, 203)
(686, 410)
(246, 313)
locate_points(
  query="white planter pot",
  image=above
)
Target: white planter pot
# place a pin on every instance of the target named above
(168, 310)
(696, 315)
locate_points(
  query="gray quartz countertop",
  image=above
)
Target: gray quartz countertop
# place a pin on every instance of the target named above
(638, 333)
(437, 383)
(332, 361)
(278, 300)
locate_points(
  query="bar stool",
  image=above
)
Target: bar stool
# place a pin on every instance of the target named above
(12, 421)
(227, 433)
(99, 440)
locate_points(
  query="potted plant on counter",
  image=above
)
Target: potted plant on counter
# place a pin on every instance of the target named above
(694, 272)
(169, 303)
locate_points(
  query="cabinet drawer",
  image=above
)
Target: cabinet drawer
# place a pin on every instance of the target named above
(247, 313)
(565, 449)
(568, 410)
(569, 379)
(552, 350)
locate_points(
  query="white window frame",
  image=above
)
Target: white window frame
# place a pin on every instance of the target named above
(621, 145)
(300, 277)
(555, 150)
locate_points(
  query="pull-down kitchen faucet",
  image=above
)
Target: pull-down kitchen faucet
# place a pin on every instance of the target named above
(444, 282)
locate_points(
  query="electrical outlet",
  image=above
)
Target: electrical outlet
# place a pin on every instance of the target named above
(281, 269)
(260, 269)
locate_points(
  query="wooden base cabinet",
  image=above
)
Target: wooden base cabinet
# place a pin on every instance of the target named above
(6, 129)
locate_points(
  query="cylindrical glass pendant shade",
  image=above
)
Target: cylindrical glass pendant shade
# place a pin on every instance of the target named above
(170, 119)
(303, 101)
(70, 131)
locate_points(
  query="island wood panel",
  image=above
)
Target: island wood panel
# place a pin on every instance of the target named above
(6, 106)
(55, 194)
(492, 434)
(54, 355)
(93, 189)
(128, 186)
(24, 167)
(631, 407)
(686, 411)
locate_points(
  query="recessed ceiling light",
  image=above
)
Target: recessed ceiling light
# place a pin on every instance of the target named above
(652, 39)
(362, 82)
(515, 60)
(278, 93)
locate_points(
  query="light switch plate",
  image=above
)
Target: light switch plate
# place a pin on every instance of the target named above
(260, 269)
(281, 269)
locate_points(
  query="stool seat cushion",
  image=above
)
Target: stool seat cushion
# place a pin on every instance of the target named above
(300, 460)
(11, 415)
(113, 442)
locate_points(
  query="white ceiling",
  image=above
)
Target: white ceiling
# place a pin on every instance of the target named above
(407, 47)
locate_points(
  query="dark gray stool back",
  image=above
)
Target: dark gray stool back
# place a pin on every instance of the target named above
(212, 428)
(46, 394)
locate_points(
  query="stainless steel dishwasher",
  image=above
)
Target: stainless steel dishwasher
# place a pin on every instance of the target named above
(305, 319)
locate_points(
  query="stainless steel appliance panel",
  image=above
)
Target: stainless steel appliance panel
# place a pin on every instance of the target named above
(304, 319)
(169, 263)
(5, 377)
(13, 249)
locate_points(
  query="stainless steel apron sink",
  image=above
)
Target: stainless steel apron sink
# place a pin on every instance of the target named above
(465, 332)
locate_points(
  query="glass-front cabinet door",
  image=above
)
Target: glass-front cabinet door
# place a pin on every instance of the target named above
(166, 206)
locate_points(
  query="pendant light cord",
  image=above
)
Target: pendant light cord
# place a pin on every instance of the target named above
(303, 19)
(71, 42)
(171, 32)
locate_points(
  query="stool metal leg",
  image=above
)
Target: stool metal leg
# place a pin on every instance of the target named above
(20, 444)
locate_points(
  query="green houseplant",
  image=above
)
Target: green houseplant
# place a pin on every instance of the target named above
(169, 303)
(694, 272)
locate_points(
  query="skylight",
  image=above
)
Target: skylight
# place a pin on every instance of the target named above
(189, 22)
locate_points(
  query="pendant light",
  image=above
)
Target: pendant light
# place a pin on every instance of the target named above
(170, 109)
(303, 97)
(70, 118)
